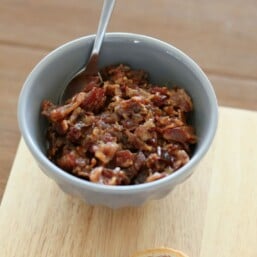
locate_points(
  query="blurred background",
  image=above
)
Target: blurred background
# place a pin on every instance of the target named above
(221, 36)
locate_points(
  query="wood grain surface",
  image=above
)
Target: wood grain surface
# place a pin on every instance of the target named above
(212, 214)
(219, 35)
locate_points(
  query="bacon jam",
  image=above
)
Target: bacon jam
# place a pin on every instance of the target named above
(122, 130)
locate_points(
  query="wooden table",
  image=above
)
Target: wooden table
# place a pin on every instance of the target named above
(219, 35)
(214, 213)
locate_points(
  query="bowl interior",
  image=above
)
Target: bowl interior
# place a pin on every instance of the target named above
(165, 64)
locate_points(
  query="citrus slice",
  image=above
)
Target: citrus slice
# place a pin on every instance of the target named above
(159, 252)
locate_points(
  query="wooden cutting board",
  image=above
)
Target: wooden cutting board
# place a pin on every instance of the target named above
(213, 214)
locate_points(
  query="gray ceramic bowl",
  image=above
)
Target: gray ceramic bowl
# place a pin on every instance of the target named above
(165, 64)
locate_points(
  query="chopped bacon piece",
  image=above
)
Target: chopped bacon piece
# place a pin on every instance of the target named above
(61, 112)
(94, 100)
(124, 158)
(145, 131)
(105, 151)
(107, 176)
(67, 161)
(180, 134)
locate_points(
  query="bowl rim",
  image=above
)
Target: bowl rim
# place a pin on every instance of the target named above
(67, 177)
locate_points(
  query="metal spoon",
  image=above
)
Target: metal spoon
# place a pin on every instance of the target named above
(79, 81)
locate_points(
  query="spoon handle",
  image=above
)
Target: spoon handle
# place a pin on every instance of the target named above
(104, 20)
